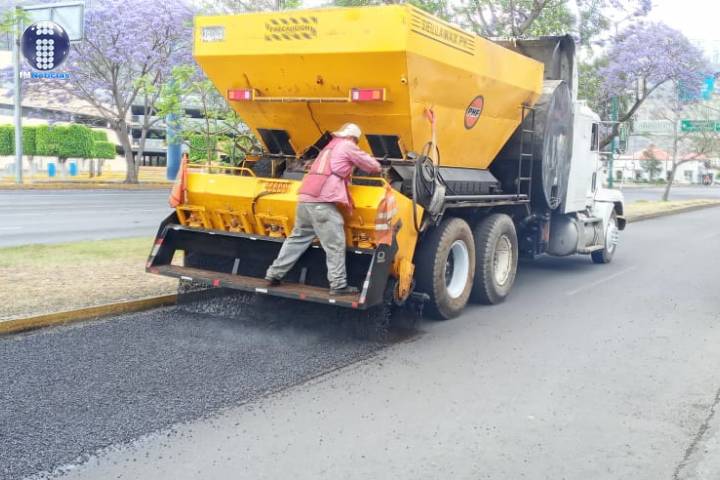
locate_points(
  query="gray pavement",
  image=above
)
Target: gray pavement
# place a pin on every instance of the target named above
(586, 372)
(52, 216)
(678, 192)
(38, 216)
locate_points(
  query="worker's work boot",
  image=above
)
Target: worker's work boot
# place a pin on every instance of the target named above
(346, 290)
(272, 282)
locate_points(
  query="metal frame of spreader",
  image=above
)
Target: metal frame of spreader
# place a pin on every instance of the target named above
(243, 275)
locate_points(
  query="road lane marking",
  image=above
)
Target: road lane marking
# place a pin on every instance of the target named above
(10, 228)
(601, 281)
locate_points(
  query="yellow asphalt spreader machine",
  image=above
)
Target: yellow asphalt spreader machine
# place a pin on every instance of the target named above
(478, 140)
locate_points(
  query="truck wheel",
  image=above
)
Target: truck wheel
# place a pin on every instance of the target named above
(496, 253)
(611, 240)
(445, 266)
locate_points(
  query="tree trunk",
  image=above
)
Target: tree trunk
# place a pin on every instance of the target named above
(100, 166)
(675, 164)
(141, 151)
(91, 167)
(124, 137)
(670, 181)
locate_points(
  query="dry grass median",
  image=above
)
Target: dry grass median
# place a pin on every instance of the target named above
(643, 209)
(38, 279)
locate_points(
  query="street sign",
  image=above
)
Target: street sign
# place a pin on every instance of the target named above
(690, 126)
(45, 45)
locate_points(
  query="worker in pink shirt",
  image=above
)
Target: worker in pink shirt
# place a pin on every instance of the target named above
(323, 189)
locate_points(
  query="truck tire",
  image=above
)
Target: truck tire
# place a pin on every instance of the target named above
(496, 253)
(606, 254)
(444, 268)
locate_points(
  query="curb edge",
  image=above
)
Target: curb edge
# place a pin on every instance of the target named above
(689, 208)
(87, 313)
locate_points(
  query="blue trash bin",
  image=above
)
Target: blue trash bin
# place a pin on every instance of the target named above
(73, 169)
(51, 170)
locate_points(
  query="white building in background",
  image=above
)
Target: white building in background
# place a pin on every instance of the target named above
(636, 167)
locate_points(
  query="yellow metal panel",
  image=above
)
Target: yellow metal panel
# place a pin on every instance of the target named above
(217, 194)
(421, 61)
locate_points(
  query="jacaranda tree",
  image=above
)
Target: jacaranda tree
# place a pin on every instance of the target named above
(640, 60)
(129, 47)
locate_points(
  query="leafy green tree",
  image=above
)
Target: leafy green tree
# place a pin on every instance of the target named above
(436, 7)
(651, 165)
(218, 127)
(525, 18)
(238, 6)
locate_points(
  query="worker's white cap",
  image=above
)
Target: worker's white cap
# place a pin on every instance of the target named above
(348, 130)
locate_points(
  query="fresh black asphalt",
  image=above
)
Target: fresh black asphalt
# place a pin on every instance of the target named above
(69, 391)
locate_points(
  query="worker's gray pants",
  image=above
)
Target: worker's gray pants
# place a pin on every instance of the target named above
(314, 219)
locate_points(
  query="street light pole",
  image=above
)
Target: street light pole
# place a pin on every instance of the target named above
(18, 97)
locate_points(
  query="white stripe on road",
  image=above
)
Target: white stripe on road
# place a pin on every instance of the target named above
(10, 228)
(601, 281)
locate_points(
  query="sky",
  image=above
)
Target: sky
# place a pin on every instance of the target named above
(697, 19)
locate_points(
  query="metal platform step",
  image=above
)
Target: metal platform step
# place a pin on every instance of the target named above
(258, 285)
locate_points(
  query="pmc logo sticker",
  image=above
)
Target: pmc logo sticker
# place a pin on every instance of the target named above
(473, 111)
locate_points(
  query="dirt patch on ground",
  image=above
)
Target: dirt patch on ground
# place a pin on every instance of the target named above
(38, 279)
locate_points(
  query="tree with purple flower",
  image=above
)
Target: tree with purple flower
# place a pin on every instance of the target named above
(639, 61)
(129, 50)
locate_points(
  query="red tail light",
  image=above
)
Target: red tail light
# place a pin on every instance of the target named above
(367, 95)
(241, 95)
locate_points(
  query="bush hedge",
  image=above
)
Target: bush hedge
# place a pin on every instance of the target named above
(64, 141)
(104, 150)
(7, 140)
(99, 135)
(28, 141)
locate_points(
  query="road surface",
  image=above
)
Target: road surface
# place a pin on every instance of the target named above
(53, 216)
(633, 194)
(37, 216)
(586, 372)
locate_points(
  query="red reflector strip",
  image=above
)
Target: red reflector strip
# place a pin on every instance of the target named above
(241, 95)
(354, 304)
(367, 94)
(216, 283)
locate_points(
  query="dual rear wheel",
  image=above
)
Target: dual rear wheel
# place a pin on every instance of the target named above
(455, 264)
